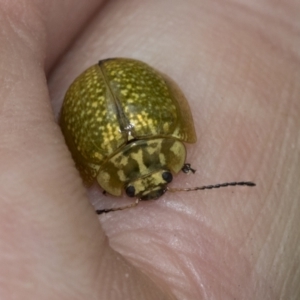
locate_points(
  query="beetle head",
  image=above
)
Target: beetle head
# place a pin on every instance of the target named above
(149, 187)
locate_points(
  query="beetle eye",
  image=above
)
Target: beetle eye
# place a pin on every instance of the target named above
(130, 191)
(167, 176)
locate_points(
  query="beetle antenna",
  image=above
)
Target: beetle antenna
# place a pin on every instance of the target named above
(209, 187)
(104, 211)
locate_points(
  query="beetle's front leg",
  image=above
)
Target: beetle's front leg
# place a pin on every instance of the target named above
(187, 169)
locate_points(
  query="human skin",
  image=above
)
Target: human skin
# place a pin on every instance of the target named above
(238, 64)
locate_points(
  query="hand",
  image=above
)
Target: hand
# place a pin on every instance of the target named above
(237, 63)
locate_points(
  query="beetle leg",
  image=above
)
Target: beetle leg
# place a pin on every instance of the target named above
(187, 169)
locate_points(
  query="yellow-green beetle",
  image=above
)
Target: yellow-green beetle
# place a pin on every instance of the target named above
(125, 124)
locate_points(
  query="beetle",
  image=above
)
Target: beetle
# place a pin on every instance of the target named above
(125, 124)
